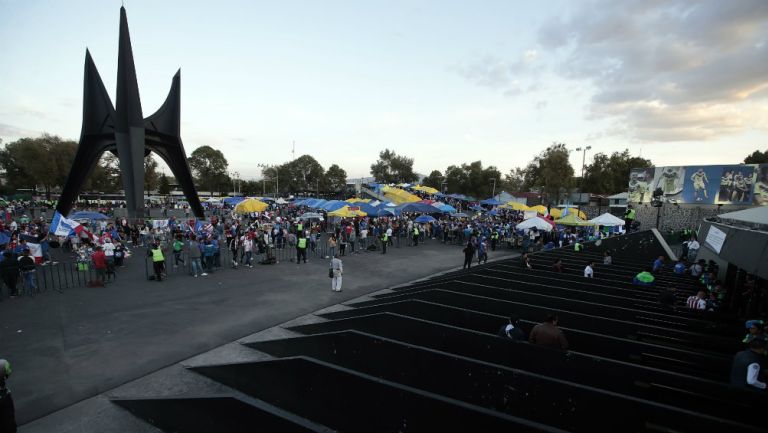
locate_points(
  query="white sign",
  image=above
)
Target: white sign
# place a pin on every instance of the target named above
(715, 238)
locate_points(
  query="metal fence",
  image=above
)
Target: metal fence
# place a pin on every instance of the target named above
(57, 277)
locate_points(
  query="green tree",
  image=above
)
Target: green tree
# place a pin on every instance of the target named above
(455, 179)
(31, 162)
(335, 178)
(473, 180)
(610, 174)
(151, 175)
(435, 180)
(209, 167)
(302, 174)
(164, 185)
(551, 173)
(757, 157)
(393, 168)
(515, 180)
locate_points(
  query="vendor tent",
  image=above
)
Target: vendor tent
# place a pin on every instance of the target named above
(250, 205)
(346, 212)
(423, 219)
(418, 207)
(538, 223)
(572, 220)
(516, 205)
(607, 220)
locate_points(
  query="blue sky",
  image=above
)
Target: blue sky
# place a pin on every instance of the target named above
(444, 82)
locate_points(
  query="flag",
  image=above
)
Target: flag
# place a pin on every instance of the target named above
(36, 251)
(161, 224)
(61, 226)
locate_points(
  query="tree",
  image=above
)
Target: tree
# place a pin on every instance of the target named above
(151, 175)
(44, 161)
(302, 174)
(435, 180)
(393, 168)
(209, 167)
(757, 157)
(610, 174)
(550, 172)
(472, 179)
(514, 180)
(164, 185)
(335, 178)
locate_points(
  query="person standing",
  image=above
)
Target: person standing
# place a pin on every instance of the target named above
(693, 249)
(301, 249)
(247, 241)
(337, 267)
(9, 270)
(469, 253)
(28, 272)
(208, 252)
(547, 334)
(629, 218)
(100, 264)
(384, 242)
(415, 235)
(194, 254)
(158, 260)
(178, 247)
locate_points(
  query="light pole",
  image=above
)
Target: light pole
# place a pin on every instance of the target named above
(235, 176)
(493, 192)
(583, 163)
(274, 167)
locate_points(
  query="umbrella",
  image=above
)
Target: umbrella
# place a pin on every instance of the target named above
(423, 219)
(311, 216)
(459, 215)
(346, 212)
(85, 215)
(445, 208)
(607, 220)
(516, 205)
(535, 222)
(250, 205)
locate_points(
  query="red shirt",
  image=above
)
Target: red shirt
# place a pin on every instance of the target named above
(99, 260)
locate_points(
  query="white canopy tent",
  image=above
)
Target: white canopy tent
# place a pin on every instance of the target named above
(537, 222)
(608, 220)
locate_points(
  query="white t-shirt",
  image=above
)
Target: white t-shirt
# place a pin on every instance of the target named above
(109, 249)
(693, 245)
(588, 273)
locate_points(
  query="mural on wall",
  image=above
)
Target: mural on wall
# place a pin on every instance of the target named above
(737, 184)
(640, 182)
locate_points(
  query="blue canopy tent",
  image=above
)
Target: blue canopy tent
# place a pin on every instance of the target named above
(493, 212)
(334, 205)
(86, 215)
(317, 203)
(423, 219)
(477, 208)
(418, 207)
(383, 212)
(445, 208)
(233, 200)
(491, 202)
(459, 215)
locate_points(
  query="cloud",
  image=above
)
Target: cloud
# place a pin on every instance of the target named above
(668, 70)
(510, 77)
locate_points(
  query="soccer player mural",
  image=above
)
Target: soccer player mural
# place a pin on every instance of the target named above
(760, 196)
(670, 180)
(736, 184)
(640, 182)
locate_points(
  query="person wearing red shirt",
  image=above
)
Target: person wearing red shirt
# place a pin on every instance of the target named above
(100, 264)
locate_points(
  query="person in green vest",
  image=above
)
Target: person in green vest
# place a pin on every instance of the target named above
(577, 246)
(178, 247)
(415, 235)
(158, 260)
(384, 242)
(299, 229)
(301, 249)
(644, 278)
(629, 218)
(494, 239)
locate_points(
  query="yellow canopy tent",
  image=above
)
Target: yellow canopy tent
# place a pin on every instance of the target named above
(399, 196)
(572, 220)
(539, 208)
(346, 212)
(555, 212)
(355, 199)
(250, 205)
(516, 205)
(427, 189)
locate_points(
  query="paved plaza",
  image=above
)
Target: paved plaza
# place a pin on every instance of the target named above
(68, 347)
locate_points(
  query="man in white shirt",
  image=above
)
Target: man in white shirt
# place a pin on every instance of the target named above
(693, 249)
(697, 302)
(748, 364)
(588, 271)
(337, 269)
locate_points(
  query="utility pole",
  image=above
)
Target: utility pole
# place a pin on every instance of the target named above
(583, 164)
(273, 167)
(493, 192)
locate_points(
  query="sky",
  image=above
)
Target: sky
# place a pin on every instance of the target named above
(444, 82)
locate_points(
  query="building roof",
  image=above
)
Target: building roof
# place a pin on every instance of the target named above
(619, 196)
(755, 215)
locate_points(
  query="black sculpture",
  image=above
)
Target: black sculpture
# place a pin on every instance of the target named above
(124, 132)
